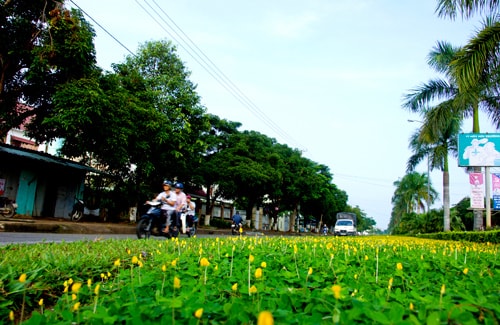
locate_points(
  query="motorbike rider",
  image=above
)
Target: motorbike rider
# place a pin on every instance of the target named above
(237, 220)
(180, 203)
(168, 200)
(191, 211)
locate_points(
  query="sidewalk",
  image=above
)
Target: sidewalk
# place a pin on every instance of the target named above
(65, 226)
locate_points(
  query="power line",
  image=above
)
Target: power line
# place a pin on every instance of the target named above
(215, 72)
(104, 29)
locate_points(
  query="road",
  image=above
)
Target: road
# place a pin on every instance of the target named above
(33, 238)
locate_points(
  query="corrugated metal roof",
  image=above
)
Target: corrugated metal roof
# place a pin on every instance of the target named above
(43, 157)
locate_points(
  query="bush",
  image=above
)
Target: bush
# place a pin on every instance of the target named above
(492, 236)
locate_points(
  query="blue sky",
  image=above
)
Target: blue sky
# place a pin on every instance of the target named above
(328, 76)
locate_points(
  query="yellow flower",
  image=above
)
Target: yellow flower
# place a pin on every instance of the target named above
(336, 291)
(310, 271)
(135, 260)
(263, 265)
(140, 263)
(117, 262)
(355, 276)
(128, 251)
(258, 273)
(164, 268)
(22, 278)
(466, 270)
(390, 284)
(204, 262)
(366, 257)
(11, 315)
(40, 302)
(253, 289)
(102, 275)
(251, 258)
(174, 263)
(76, 306)
(198, 313)
(76, 287)
(109, 275)
(234, 287)
(443, 289)
(70, 281)
(89, 283)
(399, 266)
(295, 249)
(265, 318)
(411, 306)
(73, 297)
(177, 283)
(96, 289)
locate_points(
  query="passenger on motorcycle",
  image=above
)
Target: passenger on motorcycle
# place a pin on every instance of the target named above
(191, 211)
(168, 200)
(180, 203)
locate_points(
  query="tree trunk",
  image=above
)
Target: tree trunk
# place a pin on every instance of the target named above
(478, 213)
(446, 200)
(292, 219)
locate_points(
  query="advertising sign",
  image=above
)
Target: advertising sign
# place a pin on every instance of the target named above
(479, 149)
(476, 181)
(496, 190)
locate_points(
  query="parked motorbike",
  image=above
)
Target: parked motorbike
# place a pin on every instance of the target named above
(7, 207)
(79, 210)
(237, 229)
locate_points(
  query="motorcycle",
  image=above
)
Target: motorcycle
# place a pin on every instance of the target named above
(7, 207)
(189, 224)
(79, 210)
(237, 229)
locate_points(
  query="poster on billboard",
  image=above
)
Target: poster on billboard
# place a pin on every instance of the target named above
(476, 181)
(479, 149)
(496, 190)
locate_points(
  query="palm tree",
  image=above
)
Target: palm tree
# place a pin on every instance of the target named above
(411, 193)
(478, 60)
(435, 143)
(456, 103)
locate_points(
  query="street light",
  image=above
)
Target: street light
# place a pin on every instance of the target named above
(428, 201)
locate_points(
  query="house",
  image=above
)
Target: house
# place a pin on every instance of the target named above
(41, 184)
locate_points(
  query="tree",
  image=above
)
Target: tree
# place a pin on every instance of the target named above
(438, 134)
(435, 143)
(455, 103)
(478, 60)
(43, 46)
(410, 195)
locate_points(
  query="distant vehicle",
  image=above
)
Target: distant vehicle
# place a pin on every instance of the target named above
(346, 224)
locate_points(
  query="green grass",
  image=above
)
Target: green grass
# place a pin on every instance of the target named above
(307, 280)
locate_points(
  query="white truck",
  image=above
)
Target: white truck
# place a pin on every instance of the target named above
(346, 224)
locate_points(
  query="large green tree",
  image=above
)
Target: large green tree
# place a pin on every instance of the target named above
(43, 46)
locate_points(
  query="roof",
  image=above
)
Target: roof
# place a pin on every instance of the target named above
(27, 154)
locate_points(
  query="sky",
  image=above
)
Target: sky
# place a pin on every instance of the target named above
(325, 77)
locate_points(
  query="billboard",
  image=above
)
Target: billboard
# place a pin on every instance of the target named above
(479, 149)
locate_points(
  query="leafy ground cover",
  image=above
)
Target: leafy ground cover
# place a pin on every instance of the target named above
(247, 280)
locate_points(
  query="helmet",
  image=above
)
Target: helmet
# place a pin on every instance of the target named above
(169, 183)
(179, 185)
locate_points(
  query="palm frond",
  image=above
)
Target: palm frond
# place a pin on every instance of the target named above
(478, 58)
